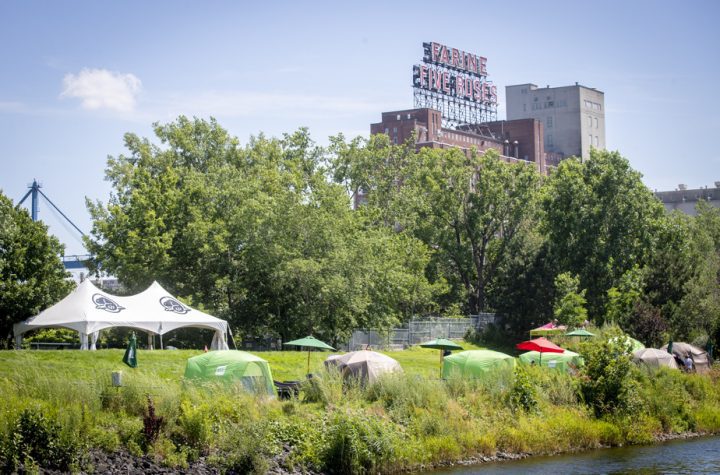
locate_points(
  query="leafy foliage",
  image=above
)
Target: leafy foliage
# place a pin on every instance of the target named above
(570, 301)
(607, 385)
(257, 235)
(32, 276)
(600, 222)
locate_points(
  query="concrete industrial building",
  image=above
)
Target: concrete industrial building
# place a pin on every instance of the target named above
(573, 116)
(685, 200)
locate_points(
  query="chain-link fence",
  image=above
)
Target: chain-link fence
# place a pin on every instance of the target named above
(418, 331)
(413, 333)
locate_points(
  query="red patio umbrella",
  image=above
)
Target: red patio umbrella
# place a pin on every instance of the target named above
(541, 345)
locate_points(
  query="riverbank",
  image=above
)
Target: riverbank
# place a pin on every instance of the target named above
(408, 422)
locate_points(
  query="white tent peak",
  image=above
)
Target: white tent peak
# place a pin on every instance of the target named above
(88, 310)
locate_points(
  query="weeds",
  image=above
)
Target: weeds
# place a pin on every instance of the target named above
(51, 412)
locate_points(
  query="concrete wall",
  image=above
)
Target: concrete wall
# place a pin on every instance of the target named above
(570, 115)
(686, 200)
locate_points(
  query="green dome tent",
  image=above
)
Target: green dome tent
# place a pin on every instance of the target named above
(476, 364)
(230, 366)
(634, 344)
(553, 360)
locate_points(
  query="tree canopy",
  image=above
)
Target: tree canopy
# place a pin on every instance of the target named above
(257, 234)
(32, 276)
(264, 235)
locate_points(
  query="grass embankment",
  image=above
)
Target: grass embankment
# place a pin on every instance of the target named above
(56, 405)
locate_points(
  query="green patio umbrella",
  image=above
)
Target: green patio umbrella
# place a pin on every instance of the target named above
(130, 357)
(580, 332)
(310, 342)
(441, 344)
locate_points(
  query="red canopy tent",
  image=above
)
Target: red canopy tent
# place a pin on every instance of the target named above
(548, 329)
(541, 345)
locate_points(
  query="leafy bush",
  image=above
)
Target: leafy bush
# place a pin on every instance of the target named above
(54, 335)
(607, 385)
(194, 426)
(36, 439)
(522, 396)
(357, 444)
(244, 448)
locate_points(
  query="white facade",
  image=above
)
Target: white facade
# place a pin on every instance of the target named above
(573, 116)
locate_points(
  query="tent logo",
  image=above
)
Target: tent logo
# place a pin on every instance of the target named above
(105, 303)
(172, 305)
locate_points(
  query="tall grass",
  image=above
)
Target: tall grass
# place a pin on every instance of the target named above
(401, 422)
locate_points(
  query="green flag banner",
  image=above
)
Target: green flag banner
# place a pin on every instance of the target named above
(130, 357)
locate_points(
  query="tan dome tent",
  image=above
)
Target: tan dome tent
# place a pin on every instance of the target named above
(655, 359)
(332, 361)
(365, 365)
(701, 362)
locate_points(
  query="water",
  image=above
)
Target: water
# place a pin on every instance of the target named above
(694, 456)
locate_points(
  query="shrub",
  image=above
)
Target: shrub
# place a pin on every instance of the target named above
(707, 418)
(607, 385)
(194, 426)
(522, 396)
(152, 423)
(357, 444)
(244, 449)
(38, 439)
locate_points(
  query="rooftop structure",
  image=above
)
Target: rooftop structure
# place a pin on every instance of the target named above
(573, 116)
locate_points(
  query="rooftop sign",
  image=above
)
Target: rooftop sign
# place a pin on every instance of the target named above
(454, 82)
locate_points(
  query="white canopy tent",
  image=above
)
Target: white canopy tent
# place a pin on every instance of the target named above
(88, 310)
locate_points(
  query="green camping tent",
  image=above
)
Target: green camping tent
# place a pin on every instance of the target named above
(230, 366)
(553, 360)
(634, 344)
(476, 364)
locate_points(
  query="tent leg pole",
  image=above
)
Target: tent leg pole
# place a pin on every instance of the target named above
(231, 337)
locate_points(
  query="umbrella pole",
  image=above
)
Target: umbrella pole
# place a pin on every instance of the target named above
(441, 362)
(308, 366)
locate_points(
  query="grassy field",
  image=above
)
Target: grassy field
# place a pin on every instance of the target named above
(56, 405)
(168, 366)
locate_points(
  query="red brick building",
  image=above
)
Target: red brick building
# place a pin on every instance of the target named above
(516, 140)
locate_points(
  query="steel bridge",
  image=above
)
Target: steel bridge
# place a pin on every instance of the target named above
(75, 262)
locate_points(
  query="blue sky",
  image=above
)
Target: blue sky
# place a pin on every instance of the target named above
(76, 75)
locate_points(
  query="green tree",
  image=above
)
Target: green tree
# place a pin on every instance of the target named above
(32, 276)
(624, 297)
(600, 222)
(257, 234)
(569, 308)
(681, 278)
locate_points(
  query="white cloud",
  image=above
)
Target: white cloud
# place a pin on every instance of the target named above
(102, 89)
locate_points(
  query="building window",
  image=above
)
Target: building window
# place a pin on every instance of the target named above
(408, 116)
(549, 122)
(597, 141)
(591, 141)
(394, 130)
(549, 140)
(387, 131)
(596, 122)
(398, 117)
(589, 121)
(524, 107)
